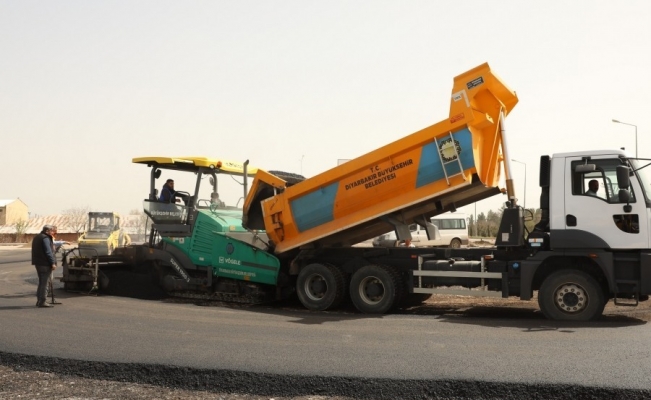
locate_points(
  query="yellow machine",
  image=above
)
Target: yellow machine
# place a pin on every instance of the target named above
(103, 235)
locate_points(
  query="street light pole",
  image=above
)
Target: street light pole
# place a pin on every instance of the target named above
(524, 200)
(635, 126)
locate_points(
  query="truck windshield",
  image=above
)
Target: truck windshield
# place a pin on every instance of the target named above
(643, 170)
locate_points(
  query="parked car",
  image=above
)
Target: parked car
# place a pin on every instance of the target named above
(452, 228)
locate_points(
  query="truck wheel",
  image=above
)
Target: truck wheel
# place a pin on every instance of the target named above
(376, 289)
(571, 296)
(455, 243)
(320, 287)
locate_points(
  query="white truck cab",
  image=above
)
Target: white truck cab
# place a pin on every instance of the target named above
(607, 218)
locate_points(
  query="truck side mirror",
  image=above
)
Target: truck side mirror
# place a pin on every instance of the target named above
(624, 183)
(622, 177)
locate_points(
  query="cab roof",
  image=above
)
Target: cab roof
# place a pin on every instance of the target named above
(194, 164)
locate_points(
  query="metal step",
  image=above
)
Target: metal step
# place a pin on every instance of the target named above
(456, 159)
(627, 302)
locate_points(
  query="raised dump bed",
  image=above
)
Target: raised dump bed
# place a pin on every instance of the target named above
(437, 169)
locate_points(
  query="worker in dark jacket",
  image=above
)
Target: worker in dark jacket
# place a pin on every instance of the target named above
(44, 261)
(168, 194)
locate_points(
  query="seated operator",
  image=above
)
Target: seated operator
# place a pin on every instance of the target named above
(215, 201)
(168, 194)
(593, 187)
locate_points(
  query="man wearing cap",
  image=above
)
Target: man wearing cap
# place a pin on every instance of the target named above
(44, 261)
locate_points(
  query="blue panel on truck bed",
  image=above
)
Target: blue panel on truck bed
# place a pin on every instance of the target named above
(315, 208)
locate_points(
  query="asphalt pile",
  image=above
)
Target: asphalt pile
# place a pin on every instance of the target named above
(301, 387)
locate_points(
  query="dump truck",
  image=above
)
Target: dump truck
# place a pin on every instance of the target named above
(296, 236)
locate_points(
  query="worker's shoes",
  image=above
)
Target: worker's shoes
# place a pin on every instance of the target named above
(43, 305)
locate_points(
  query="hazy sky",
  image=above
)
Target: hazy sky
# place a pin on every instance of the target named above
(85, 86)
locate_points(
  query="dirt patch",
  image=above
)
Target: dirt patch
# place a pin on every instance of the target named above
(460, 304)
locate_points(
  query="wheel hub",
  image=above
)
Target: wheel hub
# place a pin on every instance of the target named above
(371, 290)
(316, 287)
(570, 298)
(374, 290)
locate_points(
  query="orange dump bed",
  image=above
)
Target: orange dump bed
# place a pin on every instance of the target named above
(437, 169)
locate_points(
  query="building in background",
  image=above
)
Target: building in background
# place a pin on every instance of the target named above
(69, 228)
(13, 211)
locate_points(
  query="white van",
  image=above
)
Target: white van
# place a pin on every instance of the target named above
(452, 227)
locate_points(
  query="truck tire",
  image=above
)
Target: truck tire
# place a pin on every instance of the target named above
(376, 289)
(571, 295)
(321, 287)
(455, 243)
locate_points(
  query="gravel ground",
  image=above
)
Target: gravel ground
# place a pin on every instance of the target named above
(17, 384)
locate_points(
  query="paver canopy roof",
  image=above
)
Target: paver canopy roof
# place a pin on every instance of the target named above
(195, 163)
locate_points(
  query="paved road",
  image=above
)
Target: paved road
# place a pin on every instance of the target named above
(519, 347)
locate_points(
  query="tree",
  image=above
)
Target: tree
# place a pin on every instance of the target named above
(471, 225)
(531, 218)
(77, 218)
(493, 220)
(482, 226)
(21, 227)
(488, 224)
(141, 222)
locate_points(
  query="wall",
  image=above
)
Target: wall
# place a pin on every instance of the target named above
(14, 212)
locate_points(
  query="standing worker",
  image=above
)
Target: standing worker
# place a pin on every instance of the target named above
(44, 261)
(57, 243)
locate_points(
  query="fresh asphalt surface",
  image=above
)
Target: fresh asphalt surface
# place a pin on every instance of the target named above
(271, 339)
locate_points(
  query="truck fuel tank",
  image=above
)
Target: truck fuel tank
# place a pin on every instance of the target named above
(459, 265)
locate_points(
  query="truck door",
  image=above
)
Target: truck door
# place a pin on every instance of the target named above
(595, 216)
